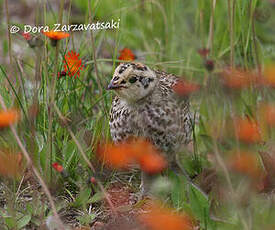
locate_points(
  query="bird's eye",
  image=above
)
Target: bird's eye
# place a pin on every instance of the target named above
(115, 78)
(132, 80)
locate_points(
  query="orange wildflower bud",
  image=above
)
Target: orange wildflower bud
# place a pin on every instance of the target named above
(8, 117)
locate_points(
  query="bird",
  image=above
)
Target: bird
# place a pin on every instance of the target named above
(145, 105)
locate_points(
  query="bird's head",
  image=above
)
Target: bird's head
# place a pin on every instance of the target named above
(133, 81)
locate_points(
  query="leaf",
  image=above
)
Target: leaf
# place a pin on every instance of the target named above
(86, 219)
(178, 195)
(200, 206)
(69, 152)
(82, 198)
(10, 222)
(23, 221)
(199, 202)
(96, 197)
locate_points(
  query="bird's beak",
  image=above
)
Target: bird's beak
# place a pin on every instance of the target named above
(112, 86)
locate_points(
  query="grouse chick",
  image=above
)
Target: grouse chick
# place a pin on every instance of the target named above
(147, 106)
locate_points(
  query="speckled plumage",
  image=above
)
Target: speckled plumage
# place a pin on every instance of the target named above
(154, 112)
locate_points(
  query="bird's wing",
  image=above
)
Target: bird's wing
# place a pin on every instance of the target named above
(181, 107)
(166, 83)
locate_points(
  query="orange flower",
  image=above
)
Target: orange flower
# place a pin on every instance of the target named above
(10, 163)
(126, 55)
(184, 88)
(56, 35)
(269, 76)
(148, 157)
(246, 163)
(268, 114)
(116, 156)
(139, 151)
(247, 131)
(162, 218)
(8, 117)
(72, 64)
(152, 163)
(237, 78)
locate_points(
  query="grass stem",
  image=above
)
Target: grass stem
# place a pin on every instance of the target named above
(231, 15)
(8, 32)
(211, 26)
(94, 50)
(52, 96)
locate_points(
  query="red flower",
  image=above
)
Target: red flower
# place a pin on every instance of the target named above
(72, 64)
(203, 52)
(126, 55)
(209, 65)
(58, 167)
(27, 36)
(61, 74)
(93, 180)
